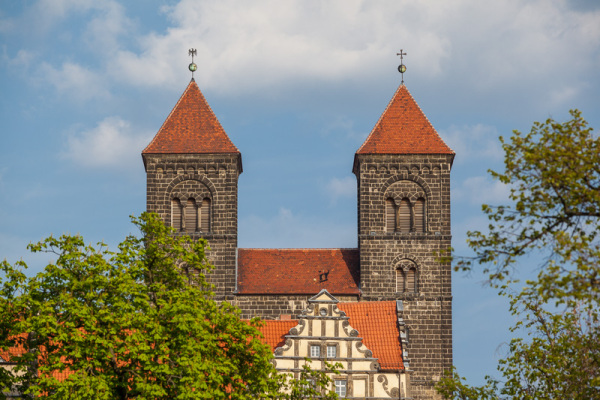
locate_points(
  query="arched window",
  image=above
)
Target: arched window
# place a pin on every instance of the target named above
(176, 214)
(411, 280)
(404, 223)
(390, 215)
(191, 216)
(406, 276)
(419, 216)
(399, 280)
(205, 215)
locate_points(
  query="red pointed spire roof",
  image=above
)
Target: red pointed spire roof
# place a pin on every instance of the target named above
(403, 128)
(191, 128)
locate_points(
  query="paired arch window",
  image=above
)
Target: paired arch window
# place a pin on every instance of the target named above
(406, 216)
(191, 217)
(406, 277)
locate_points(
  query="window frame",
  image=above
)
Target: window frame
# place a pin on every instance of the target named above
(341, 385)
(333, 347)
(318, 351)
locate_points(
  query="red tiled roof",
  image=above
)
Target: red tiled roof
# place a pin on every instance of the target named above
(16, 350)
(296, 271)
(275, 331)
(19, 349)
(403, 128)
(376, 323)
(191, 128)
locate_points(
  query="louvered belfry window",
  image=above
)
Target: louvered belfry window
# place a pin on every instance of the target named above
(420, 215)
(191, 216)
(399, 280)
(390, 215)
(205, 216)
(404, 216)
(411, 280)
(176, 214)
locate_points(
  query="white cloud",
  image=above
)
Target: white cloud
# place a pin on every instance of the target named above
(21, 60)
(264, 44)
(473, 142)
(111, 144)
(477, 190)
(74, 81)
(268, 45)
(345, 187)
(107, 26)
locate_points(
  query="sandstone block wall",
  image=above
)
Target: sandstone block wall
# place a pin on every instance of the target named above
(427, 311)
(273, 306)
(212, 175)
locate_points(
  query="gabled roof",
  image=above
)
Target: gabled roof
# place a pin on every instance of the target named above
(403, 128)
(298, 271)
(274, 332)
(376, 323)
(191, 128)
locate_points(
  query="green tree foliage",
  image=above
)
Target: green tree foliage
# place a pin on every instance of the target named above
(312, 384)
(139, 323)
(554, 177)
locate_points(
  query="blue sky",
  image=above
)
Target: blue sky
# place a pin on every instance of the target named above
(297, 85)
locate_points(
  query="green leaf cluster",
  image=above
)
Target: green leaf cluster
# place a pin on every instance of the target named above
(138, 323)
(553, 173)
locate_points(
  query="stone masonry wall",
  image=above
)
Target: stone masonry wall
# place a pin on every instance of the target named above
(273, 306)
(428, 311)
(212, 175)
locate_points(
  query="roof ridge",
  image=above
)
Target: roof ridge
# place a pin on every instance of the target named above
(403, 128)
(191, 127)
(368, 302)
(217, 119)
(298, 248)
(381, 117)
(169, 116)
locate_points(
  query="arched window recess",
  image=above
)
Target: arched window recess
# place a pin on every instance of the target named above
(406, 277)
(404, 215)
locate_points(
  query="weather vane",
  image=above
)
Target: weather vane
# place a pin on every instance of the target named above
(192, 67)
(401, 67)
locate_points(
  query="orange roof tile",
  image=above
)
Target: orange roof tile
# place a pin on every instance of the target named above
(275, 331)
(297, 271)
(191, 128)
(403, 128)
(376, 323)
(16, 350)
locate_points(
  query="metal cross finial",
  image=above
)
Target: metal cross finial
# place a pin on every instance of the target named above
(192, 67)
(401, 67)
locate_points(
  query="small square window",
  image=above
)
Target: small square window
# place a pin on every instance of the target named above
(331, 351)
(315, 351)
(340, 387)
(309, 384)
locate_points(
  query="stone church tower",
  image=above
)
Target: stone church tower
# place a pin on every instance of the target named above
(403, 176)
(192, 171)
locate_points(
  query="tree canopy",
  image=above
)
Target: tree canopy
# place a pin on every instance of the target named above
(138, 323)
(553, 173)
